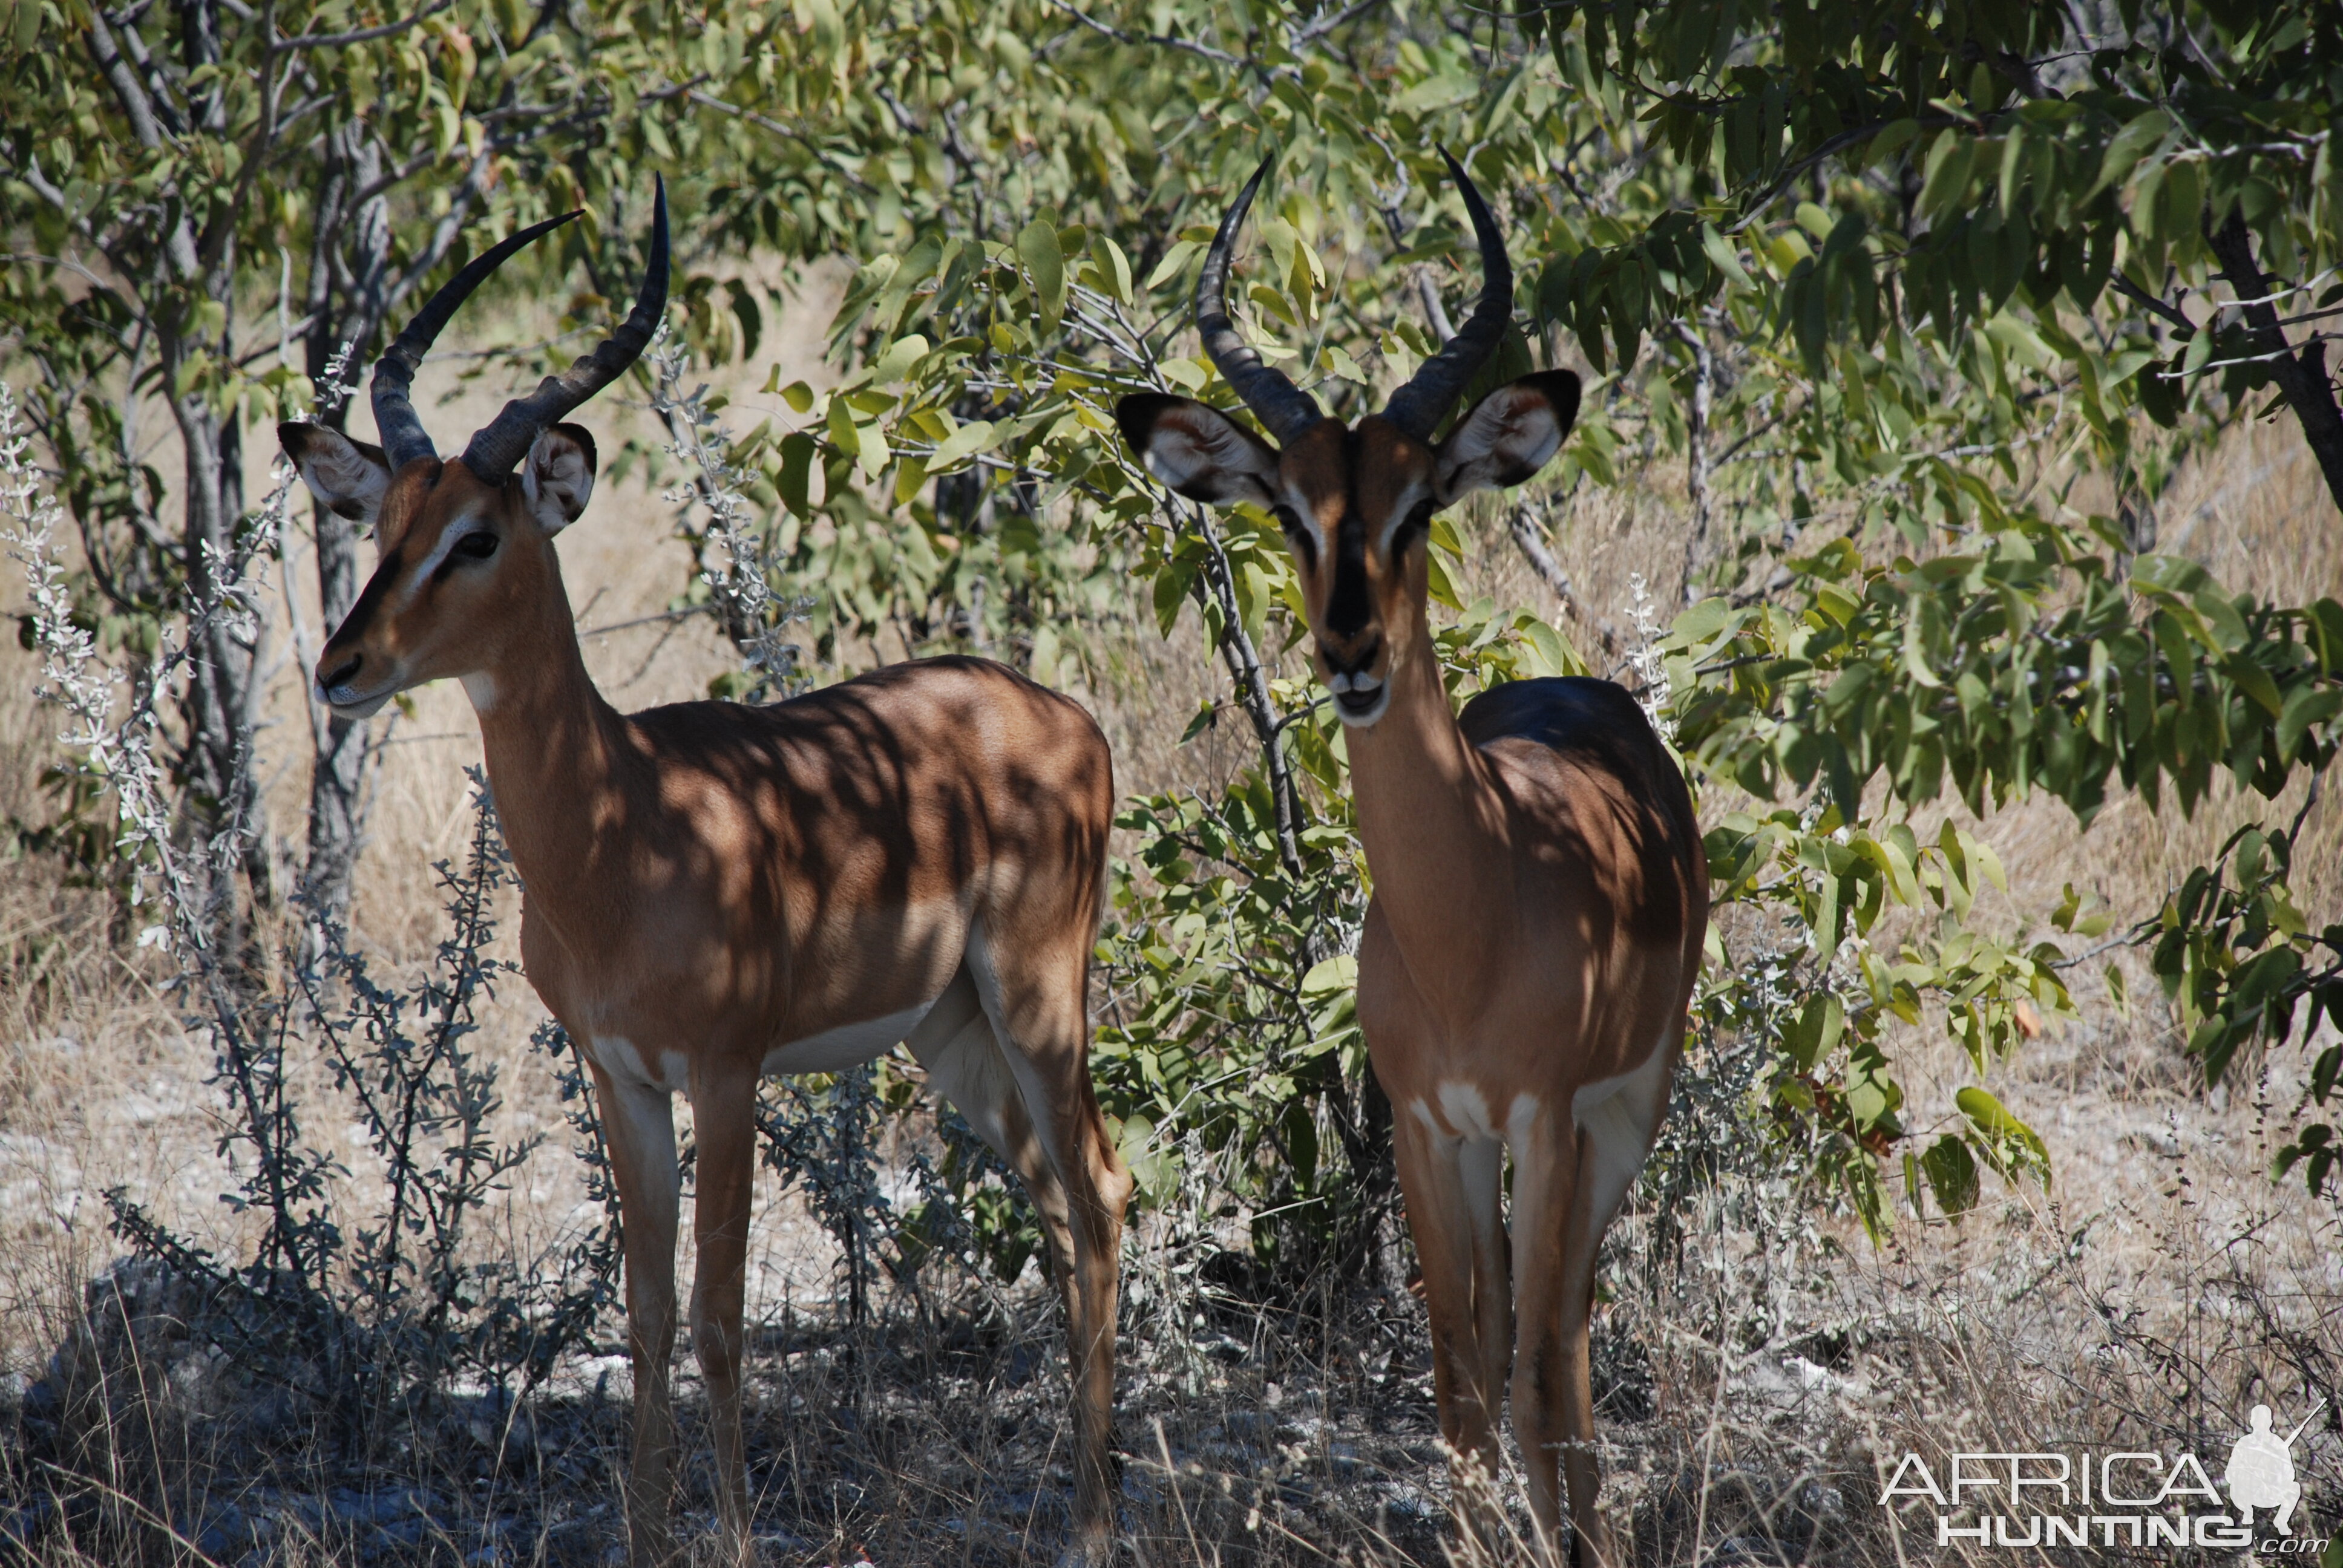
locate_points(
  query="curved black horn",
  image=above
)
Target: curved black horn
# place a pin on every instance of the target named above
(1284, 407)
(505, 440)
(1420, 405)
(404, 439)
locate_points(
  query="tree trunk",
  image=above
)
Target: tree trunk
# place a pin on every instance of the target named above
(2302, 377)
(222, 700)
(354, 281)
(1697, 546)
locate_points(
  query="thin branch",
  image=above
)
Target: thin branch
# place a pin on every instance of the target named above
(1696, 466)
(2270, 358)
(1162, 40)
(1527, 535)
(359, 35)
(127, 88)
(1319, 28)
(662, 618)
(2171, 313)
(1829, 149)
(767, 123)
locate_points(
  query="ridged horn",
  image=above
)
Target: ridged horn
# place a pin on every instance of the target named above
(505, 440)
(1277, 402)
(404, 439)
(1420, 405)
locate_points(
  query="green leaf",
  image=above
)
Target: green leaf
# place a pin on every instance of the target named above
(2309, 705)
(976, 435)
(2255, 681)
(2012, 1143)
(1719, 251)
(1045, 266)
(843, 434)
(899, 359)
(1328, 977)
(2129, 146)
(1114, 267)
(1946, 181)
(1892, 139)
(1175, 262)
(1809, 1034)
(1952, 1173)
(798, 452)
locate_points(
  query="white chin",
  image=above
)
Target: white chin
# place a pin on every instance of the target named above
(355, 709)
(1364, 718)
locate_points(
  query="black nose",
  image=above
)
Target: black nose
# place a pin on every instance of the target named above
(341, 674)
(1354, 660)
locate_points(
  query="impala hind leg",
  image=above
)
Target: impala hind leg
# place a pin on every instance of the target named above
(639, 1126)
(1616, 1121)
(1449, 1187)
(1035, 995)
(965, 1065)
(724, 1128)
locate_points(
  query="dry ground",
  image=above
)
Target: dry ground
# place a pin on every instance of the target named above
(1757, 1384)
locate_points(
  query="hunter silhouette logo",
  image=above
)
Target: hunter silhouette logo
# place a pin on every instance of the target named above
(2137, 1499)
(2260, 1473)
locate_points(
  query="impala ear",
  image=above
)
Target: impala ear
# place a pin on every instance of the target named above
(1198, 450)
(348, 478)
(559, 476)
(1509, 436)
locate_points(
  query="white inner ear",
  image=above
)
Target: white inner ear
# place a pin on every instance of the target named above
(1509, 436)
(1198, 452)
(556, 481)
(341, 477)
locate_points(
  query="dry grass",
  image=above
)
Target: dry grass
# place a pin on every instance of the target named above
(1755, 1387)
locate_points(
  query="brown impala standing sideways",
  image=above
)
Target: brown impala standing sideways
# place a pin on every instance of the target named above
(714, 892)
(1541, 896)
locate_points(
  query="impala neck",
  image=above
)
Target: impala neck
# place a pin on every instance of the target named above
(1433, 827)
(553, 746)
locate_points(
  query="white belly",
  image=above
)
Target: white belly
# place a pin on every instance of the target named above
(848, 1045)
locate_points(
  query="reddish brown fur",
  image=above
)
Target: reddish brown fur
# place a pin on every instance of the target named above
(1539, 913)
(707, 882)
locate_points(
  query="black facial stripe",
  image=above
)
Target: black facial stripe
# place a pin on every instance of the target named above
(377, 588)
(1348, 606)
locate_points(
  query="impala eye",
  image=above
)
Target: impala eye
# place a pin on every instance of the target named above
(477, 546)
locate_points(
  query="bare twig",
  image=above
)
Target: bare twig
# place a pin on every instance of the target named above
(358, 36)
(1524, 524)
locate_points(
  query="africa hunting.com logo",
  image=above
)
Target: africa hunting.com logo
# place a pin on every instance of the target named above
(2132, 1498)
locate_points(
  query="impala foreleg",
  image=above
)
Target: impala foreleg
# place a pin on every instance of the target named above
(1449, 1186)
(724, 1126)
(1549, 1377)
(639, 1126)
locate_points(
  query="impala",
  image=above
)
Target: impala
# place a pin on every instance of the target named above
(714, 892)
(1540, 891)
